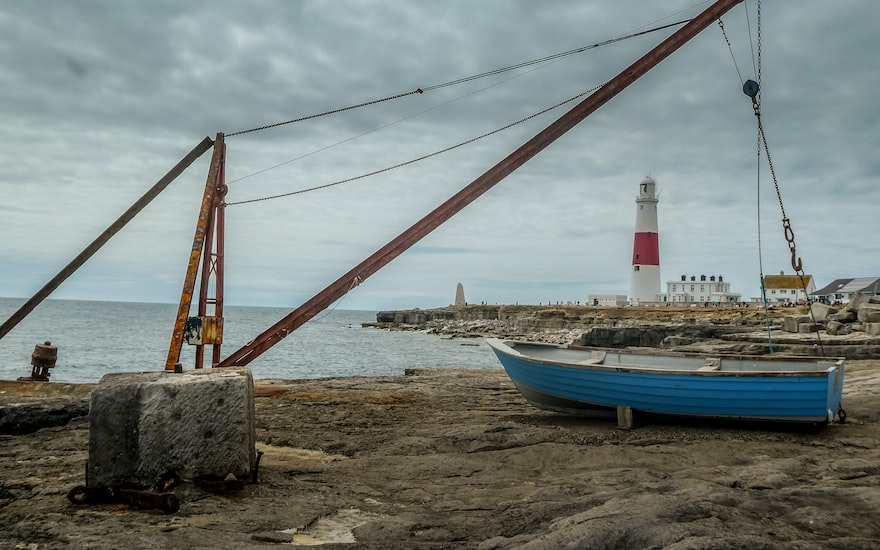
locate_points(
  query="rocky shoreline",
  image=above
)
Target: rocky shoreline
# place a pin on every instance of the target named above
(734, 330)
(457, 459)
(451, 459)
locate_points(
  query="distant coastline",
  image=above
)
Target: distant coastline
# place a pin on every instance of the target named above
(701, 329)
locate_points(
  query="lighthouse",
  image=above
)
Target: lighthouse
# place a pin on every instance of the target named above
(645, 284)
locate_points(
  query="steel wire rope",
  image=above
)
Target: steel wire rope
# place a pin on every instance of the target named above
(756, 60)
(547, 60)
(553, 56)
(796, 263)
(756, 100)
(398, 121)
(459, 80)
(418, 159)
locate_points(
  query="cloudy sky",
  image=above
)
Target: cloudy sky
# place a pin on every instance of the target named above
(99, 99)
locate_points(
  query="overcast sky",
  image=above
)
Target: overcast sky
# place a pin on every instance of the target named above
(99, 99)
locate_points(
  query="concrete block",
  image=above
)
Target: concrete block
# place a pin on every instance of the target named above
(143, 426)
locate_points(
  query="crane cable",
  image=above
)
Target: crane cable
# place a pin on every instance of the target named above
(752, 89)
(462, 80)
(421, 158)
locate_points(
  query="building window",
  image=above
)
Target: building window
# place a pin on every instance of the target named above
(635, 268)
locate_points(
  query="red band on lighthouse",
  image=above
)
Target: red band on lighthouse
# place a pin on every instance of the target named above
(646, 249)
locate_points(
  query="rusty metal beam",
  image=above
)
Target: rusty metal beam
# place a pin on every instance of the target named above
(213, 260)
(476, 188)
(102, 239)
(189, 281)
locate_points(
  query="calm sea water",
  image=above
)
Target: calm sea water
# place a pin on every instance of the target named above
(97, 338)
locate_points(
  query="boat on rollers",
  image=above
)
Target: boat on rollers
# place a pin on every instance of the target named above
(600, 382)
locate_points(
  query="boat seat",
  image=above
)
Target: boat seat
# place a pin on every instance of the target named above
(711, 364)
(593, 360)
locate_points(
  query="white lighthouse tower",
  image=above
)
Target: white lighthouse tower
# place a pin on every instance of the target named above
(646, 246)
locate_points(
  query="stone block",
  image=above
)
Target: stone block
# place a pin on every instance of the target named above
(872, 329)
(791, 323)
(869, 313)
(820, 312)
(836, 328)
(856, 302)
(143, 426)
(845, 316)
(807, 327)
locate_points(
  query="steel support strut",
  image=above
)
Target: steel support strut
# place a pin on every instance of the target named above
(189, 281)
(476, 188)
(213, 257)
(108, 233)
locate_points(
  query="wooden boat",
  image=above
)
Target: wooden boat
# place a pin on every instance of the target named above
(593, 381)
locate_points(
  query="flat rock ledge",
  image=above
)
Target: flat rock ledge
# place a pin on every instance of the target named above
(734, 330)
(453, 459)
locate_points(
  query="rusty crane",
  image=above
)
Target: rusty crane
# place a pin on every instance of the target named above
(207, 250)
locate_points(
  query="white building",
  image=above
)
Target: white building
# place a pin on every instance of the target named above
(689, 290)
(606, 300)
(843, 290)
(788, 289)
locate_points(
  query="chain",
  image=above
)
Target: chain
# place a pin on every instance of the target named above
(758, 32)
(753, 90)
(796, 263)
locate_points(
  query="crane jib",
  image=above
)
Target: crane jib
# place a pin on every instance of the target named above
(475, 189)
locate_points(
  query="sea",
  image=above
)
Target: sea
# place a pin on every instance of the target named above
(95, 338)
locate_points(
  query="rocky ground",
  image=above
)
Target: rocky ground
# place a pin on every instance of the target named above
(457, 459)
(730, 329)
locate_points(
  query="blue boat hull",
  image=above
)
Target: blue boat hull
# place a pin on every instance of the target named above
(782, 396)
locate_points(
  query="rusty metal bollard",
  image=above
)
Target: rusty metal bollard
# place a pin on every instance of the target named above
(42, 359)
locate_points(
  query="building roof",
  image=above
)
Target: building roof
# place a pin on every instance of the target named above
(786, 281)
(866, 285)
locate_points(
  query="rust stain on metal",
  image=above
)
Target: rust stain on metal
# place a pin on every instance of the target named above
(42, 359)
(212, 330)
(217, 160)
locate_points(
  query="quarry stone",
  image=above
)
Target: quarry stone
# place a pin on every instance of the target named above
(192, 425)
(821, 312)
(806, 328)
(869, 313)
(792, 323)
(836, 328)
